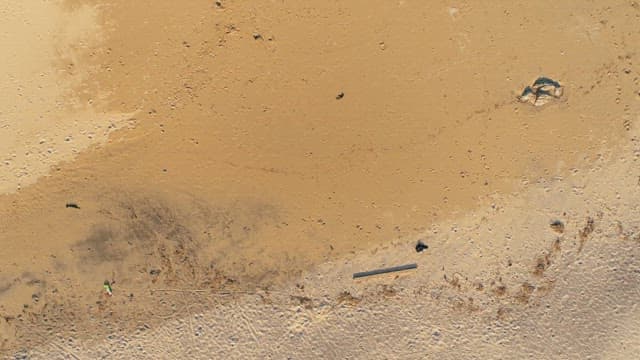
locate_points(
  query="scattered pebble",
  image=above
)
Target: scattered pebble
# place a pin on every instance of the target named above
(339, 96)
(557, 226)
(420, 246)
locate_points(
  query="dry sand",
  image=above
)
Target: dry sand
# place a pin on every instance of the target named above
(44, 118)
(238, 171)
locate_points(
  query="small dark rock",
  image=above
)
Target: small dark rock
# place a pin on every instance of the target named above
(420, 246)
(257, 36)
(557, 226)
(72, 205)
(339, 96)
(154, 272)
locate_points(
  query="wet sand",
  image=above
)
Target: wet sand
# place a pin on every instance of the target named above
(235, 166)
(566, 291)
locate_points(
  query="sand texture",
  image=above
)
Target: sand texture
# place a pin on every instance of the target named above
(227, 166)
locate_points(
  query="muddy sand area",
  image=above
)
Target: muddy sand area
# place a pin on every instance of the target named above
(227, 166)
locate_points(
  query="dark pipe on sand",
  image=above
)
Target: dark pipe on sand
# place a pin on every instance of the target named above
(385, 270)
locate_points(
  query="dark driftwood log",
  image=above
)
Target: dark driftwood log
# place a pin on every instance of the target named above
(385, 270)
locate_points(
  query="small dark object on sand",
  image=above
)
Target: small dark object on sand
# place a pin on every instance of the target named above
(557, 226)
(420, 246)
(339, 96)
(385, 270)
(72, 205)
(542, 91)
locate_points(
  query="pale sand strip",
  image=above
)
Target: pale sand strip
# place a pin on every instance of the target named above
(44, 117)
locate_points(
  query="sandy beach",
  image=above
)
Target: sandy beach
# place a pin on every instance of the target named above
(227, 166)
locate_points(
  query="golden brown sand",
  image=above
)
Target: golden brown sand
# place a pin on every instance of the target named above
(237, 168)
